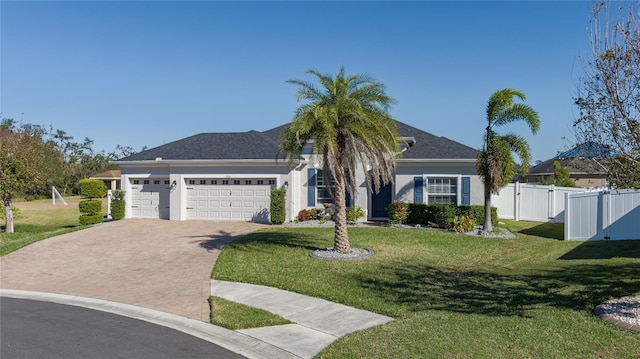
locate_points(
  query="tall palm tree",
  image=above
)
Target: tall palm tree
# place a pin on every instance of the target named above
(347, 123)
(495, 161)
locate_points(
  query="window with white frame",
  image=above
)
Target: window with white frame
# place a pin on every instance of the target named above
(322, 187)
(442, 190)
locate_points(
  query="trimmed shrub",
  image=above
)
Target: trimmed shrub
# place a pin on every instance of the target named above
(398, 212)
(417, 213)
(278, 211)
(354, 213)
(117, 205)
(477, 212)
(443, 215)
(91, 219)
(117, 209)
(90, 207)
(92, 188)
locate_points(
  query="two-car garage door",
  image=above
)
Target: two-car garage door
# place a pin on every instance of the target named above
(229, 199)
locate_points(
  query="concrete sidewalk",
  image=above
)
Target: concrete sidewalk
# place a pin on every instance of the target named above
(318, 322)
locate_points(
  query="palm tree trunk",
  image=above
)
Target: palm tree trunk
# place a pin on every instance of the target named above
(341, 237)
(487, 226)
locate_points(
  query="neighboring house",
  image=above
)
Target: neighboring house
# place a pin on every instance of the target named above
(110, 178)
(228, 176)
(584, 168)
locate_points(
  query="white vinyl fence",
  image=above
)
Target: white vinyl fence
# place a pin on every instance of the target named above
(602, 215)
(532, 202)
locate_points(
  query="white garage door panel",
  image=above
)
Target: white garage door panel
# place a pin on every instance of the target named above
(230, 202)
(150, 198)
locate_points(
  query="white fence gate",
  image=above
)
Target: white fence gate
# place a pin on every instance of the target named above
(602, 215)
(532, 202)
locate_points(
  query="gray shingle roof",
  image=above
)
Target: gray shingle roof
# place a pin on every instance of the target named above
(264, 145)
(429, 146)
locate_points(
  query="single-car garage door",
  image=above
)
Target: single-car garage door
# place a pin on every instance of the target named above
(229, 199)
(150, 198)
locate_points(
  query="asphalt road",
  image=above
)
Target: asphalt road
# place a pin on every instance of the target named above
(35, 329)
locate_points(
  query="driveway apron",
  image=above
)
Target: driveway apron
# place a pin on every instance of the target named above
(156, 264)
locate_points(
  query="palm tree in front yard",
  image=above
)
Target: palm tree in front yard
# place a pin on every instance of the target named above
(495, 163)
(347, 123)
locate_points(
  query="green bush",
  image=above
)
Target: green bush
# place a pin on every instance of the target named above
(92, 188)
(117, 205)
(278, 211)
(417, 213)
(117, 195)
(91, 219)
(443, 214)
(354, 213)
(477, 212)
(463, 223)
(90, 207)
(117, 209)
(398, 212)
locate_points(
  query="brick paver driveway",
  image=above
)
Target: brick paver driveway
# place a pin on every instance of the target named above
(156, 264)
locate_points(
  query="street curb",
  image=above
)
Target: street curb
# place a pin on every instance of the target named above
(234, 341)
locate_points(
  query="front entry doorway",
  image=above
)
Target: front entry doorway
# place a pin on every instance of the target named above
(380, 202)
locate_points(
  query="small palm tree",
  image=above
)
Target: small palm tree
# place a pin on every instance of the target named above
(495, 164)
(347, 123)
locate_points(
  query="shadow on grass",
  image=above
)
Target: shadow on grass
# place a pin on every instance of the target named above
(422, 287)
(292, 240)
(546, 230)
(215, 241)
(604, 250)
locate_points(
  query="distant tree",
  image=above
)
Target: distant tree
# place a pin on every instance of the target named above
(561, 177)
(21, 163)
(609, 92)
(347, 123)
(124, 151)
(496, 165)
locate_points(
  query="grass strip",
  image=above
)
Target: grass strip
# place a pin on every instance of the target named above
(236, 316)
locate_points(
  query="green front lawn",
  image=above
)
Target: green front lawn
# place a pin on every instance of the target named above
(452, 295)
(38, 220)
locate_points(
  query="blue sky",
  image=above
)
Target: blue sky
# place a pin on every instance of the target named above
(147, 73)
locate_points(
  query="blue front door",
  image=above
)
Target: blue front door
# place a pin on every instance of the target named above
(380, 202)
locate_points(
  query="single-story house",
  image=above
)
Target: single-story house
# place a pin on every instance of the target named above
(586, 164)
(228, 176)
(111, 178)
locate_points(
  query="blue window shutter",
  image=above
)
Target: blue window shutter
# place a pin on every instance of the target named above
(466, 190)
(311, 187)
(418, 188)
